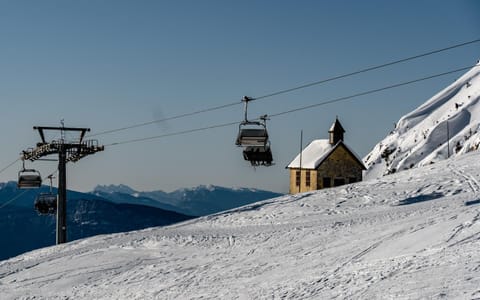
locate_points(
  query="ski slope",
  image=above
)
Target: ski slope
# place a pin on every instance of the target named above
(446, 125)
(410, 235)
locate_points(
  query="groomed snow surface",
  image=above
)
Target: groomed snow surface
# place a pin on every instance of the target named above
(414, 234)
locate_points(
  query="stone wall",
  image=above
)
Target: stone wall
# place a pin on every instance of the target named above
(339, 165)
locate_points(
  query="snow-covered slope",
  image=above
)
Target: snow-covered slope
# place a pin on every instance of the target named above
(414, 234)
(22, 229)
(446, 125)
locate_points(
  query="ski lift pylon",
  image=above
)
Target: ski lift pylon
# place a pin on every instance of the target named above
(253, 137)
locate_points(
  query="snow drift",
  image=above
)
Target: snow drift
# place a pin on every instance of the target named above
(446, 125)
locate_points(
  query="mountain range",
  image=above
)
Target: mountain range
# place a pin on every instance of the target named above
(106, 210)
(198, 201)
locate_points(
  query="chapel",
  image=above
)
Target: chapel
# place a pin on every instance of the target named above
(325, 163)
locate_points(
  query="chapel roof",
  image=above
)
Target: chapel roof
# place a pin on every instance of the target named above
(316, 152)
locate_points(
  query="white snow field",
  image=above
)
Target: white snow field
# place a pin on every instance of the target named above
(414, 234)
(444, 126)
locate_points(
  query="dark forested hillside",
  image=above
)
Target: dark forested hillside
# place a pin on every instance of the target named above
(22, 229)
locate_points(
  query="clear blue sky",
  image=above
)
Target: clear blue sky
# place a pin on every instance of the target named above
(110, 64)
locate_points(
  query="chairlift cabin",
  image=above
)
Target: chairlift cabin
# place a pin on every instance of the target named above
(46, 203)
(256, 145)
(252, 134)
(253, 137)
(29, 179)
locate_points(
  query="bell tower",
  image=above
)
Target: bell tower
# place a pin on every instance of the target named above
(336, 132)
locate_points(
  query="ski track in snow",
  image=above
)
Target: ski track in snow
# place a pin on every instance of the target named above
(414, 234)
(472, 182)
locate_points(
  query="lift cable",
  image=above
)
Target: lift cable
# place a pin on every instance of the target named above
(372, 91)
(299, 108)
(14, 198)
(345, 98)
(9, 165)
(365, 70)
(167, 119)
(172, 134)
(269, 95)
(290, 89)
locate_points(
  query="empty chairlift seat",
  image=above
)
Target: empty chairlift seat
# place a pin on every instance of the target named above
(29, 179)
(252, 137)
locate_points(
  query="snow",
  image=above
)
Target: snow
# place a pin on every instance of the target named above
(445, 125)
(121, 188)
(313, 154)
(414, 234)
(316, 152)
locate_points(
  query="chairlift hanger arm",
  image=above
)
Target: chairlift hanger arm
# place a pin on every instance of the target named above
(246, 99)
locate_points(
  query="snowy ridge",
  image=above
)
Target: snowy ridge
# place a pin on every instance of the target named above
(414, 234)
(446, 125)
(122, 188)
(112, 188)
(197, 201)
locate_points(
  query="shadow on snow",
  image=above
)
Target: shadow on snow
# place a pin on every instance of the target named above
(420, 198)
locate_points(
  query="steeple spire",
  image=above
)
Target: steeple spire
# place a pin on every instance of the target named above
(336, 132)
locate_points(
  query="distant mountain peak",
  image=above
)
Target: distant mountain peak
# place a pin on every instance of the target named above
(112, 188)
(208, 187)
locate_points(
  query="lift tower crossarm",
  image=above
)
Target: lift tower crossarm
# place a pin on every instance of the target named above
(42, 128)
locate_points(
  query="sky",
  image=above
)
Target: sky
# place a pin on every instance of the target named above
(111, 64)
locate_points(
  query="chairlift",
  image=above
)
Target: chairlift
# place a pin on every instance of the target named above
(29, 178)
(253, 137)
(46, 203)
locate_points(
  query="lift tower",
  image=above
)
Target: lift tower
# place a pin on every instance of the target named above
(72, 150)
